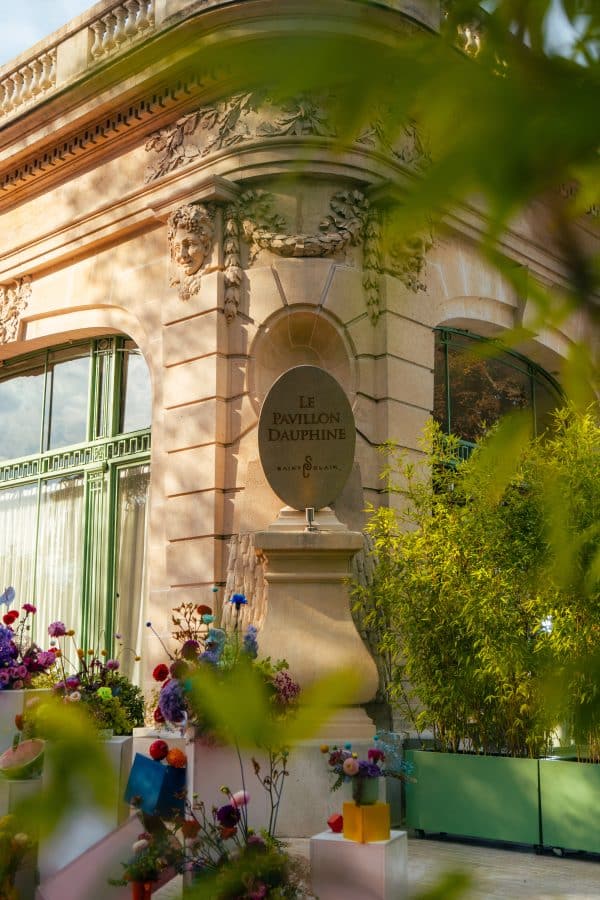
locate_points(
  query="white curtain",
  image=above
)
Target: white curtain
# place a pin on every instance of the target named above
(54, 585)
(131, 562)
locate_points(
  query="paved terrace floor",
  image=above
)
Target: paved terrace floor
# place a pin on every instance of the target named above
(497, 874)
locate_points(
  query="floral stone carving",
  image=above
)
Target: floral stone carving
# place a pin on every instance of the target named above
(190, 234)
(249, 117)
(13, 301)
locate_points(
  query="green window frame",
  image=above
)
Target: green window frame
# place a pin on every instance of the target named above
(97, 463)
(522, 372)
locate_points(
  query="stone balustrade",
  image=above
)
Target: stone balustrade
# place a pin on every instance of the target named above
(122, 25)
(28, 82)
(108, 29)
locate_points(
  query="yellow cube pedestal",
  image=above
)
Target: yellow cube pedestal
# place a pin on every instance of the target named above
(366, 823)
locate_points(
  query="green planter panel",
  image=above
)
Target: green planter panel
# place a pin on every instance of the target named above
(570, 803)
(489, 797)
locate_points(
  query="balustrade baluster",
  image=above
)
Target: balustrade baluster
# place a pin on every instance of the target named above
(132, 7)
(27, 74)
(108, 43)
(98, 28)
(143, 22)
(4, 96)
(18, 83)
(36, 68)
(120, 14)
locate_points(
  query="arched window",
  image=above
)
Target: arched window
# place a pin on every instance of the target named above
(473, 389)
(74, 478)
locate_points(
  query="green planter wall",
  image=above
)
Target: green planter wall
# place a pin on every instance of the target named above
(570, 805)
(490, 797)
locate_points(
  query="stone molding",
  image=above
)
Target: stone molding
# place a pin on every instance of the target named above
(13, 302)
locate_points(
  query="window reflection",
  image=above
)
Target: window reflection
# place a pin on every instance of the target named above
(67, 394)
(136, 392)
(473, 389)
(21, 401)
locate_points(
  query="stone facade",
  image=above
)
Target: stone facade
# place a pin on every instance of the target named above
(137, 200)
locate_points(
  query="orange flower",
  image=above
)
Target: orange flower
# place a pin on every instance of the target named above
(227, 832)
(190, 828)
(176, 758)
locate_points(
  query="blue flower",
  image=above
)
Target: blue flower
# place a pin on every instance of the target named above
(8, 596)
(238, 600)
(171, 702)
(250, 644)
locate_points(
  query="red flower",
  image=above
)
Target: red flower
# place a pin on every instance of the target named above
(204, 610)
(158, 716)
(375, 755)
(227, 832)
(158, 750)
(160, 672)
(10, 617)
(190, 828)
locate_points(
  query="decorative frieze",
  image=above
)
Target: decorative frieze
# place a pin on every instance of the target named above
(250, 117)
(121, 26)
(13, 301)
(28, 83)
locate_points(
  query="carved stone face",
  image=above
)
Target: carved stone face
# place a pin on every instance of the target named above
(190, 249)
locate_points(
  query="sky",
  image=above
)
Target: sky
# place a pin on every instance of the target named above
(24, 22)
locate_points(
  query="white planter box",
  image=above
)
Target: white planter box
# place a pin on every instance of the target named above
(346, 870)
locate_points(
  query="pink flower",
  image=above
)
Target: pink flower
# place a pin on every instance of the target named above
(57, 629)
(350, 766)
(29, 608)
(240, 798)
(376, 755)
(112, 664)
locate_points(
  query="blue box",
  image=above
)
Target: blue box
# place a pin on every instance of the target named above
(156, 789)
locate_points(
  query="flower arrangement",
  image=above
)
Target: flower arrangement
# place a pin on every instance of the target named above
(151, 854)
(347, 767)
(112, 701)
(21, 660)
(202, 644)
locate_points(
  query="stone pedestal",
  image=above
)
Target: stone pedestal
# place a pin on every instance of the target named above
(87, 825)
(345, 870)
(308, 620)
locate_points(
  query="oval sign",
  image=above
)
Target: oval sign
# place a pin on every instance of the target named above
(306, 437)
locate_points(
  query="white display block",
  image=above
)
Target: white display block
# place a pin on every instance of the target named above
(85, 825)
(346, 870)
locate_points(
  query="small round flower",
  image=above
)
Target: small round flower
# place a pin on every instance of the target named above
(203, 610)
(324, 748)
(138, 846)
(148, 624)
(11, 616)
(104, 693)
(70, 632)
(238, 600)
(214, 588)
(240, 798)
(74, 697)
(57, 629)
(350, 766)
(375, 755)
(207, 619)
(158, 716)
(176, 758)
(158, 750)
(112, 664)
(228, 816)
(72, 682)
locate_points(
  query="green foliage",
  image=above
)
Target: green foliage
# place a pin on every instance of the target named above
(477, 602)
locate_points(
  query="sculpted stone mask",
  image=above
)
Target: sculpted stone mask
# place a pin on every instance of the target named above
(190, 236)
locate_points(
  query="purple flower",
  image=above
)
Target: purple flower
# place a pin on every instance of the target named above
(250, 644)
(368, 769)
(72, 682)
(4, 677)
(29, 608)
(46, 658)
(21, 671)
(57, 629)
(112, 664)
(171, 702)
(8, 649)
(228, 816)
(238, 600)
(286, 689)
(212, 656)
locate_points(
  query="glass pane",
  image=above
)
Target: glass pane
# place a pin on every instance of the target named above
(136, 394)
(21, 401)
(67, 400)
(132, 523)
(482, 390)
(18, 514)
(440, 400)
(546, 401)
(60, 554)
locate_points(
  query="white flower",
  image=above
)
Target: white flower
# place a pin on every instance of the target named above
(140, 845)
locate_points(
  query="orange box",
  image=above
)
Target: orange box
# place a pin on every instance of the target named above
(366, 823)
